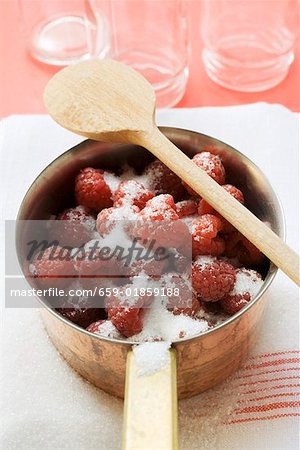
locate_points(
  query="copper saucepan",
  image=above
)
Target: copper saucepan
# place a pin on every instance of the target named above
(203, 360)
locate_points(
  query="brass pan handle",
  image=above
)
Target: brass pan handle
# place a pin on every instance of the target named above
(150, 409)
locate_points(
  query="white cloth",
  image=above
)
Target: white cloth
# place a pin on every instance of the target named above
(47, 405)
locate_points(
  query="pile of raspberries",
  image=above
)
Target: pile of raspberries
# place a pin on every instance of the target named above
(221, 256)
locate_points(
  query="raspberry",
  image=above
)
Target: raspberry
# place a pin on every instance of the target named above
(212, 165)
(79, 214)
(171, 232)
(204, 236)
(76, 226)
(186, 208)
(212, 279)
(109, 217)
(233, 304)
(91, 189)
(237, 246)
(205, 208)
(185, 302)
(161, 207)
(81, 316)
(235, 192)
(163, 181)
(246, 287)
(132, 192)
(127, 321)
(126, 313)
(54, 267)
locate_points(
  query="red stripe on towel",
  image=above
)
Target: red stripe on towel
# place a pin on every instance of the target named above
(292, 377)
(280, 386)
(275, 362)
(267, 407)
(267, 355)
(265, 397)
(267, 372)
(253, 419)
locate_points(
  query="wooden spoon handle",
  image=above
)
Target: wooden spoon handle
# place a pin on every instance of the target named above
(233, 211)
(150, 409)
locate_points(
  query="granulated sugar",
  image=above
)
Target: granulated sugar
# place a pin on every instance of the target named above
(160, 324)
(151, 357)
(128, 173)
(204, 260)
(117, 235)
(112, 181)
(247, 281)
(80, 216)
(132, 189)
(107, 329)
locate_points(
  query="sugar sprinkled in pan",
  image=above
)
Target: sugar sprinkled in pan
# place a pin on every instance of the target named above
(151, 357)
(247, 281)
(107, 329)
(112, 181)
(160, 324)
(132, 189)
(118, 235)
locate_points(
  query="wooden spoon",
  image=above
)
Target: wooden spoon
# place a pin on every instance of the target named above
(108, 101)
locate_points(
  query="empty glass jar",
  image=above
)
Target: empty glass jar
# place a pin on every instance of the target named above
(150, 36)
(248, 44)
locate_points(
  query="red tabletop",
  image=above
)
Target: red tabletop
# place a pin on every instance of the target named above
(22, 79)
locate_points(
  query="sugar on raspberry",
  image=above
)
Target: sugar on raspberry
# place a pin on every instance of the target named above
(163, 181)
(73, 227)
(132, 192)
(246, 287)
(212, 165)
(212, 279)
(161, 207)
(91, 189)
(205, 239)
(126, 313)
(108, 218)
(158, 222)
(54, 267)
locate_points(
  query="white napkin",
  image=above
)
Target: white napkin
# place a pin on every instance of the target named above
(47, 405)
